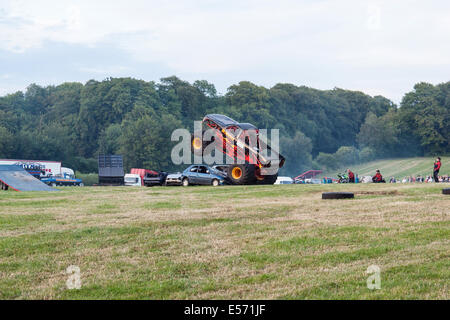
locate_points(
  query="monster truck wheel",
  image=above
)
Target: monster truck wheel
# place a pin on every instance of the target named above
(269, 179)
(185, 182)
(198, 146)
(241, 173)
(337, 195)
(215, 182)
(446, 191)
(196, 143)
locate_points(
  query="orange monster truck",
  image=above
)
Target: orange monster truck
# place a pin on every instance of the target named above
(248, 159)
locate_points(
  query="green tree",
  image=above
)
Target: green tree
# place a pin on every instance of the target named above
(347, 155)
(7, 142)
(297, 151)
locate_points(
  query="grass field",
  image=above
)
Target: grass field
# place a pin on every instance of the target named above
(250, 242)
(398, 168)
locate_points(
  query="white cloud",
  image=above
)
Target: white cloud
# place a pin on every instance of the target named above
(302, 41)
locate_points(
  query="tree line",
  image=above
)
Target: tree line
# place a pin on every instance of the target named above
(320, 129)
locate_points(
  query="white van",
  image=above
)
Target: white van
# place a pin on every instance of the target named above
(284, 180)
(132, 179)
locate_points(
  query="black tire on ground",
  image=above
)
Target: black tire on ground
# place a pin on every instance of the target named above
(185, 182)
(269, 179)
(446, 191)
(241, 174)
(338, 195)
(215, 182)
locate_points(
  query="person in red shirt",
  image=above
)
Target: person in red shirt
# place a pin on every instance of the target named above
(437, 166)
(377, 178)
(351, 176)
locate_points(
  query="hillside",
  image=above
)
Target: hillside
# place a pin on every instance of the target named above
(398, 168)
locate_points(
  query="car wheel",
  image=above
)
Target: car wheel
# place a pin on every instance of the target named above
(53, 185)
(446, 191)
(185, 182)
(215, 182)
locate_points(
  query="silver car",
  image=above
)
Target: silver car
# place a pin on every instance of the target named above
(196, 175)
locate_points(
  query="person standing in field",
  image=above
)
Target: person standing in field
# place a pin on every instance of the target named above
(437, 167)
(351, 176)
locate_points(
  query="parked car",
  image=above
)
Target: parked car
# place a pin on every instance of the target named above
(156, 179)
(196, 175)
(284, 180)
(173, 179)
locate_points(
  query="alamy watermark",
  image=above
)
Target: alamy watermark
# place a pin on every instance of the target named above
(374, 280)
(74, 279)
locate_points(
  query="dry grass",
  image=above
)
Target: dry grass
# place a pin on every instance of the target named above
(254, 242)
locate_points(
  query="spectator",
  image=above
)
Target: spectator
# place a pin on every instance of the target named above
(351, 176)
(378, 178)
(437, 167)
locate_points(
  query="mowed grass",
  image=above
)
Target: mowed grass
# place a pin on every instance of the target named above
(228, 242)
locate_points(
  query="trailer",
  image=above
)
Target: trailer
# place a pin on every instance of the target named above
(110, 170)
(65, 178)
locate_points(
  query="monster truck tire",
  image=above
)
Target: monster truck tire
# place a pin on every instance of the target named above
(338, 195)
(269, 179)
(446, 191)
(241, 174)
(197, 143)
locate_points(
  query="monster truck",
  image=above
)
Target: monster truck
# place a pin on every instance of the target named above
(248, 164)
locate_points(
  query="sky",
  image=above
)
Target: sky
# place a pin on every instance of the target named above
(375, 46)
